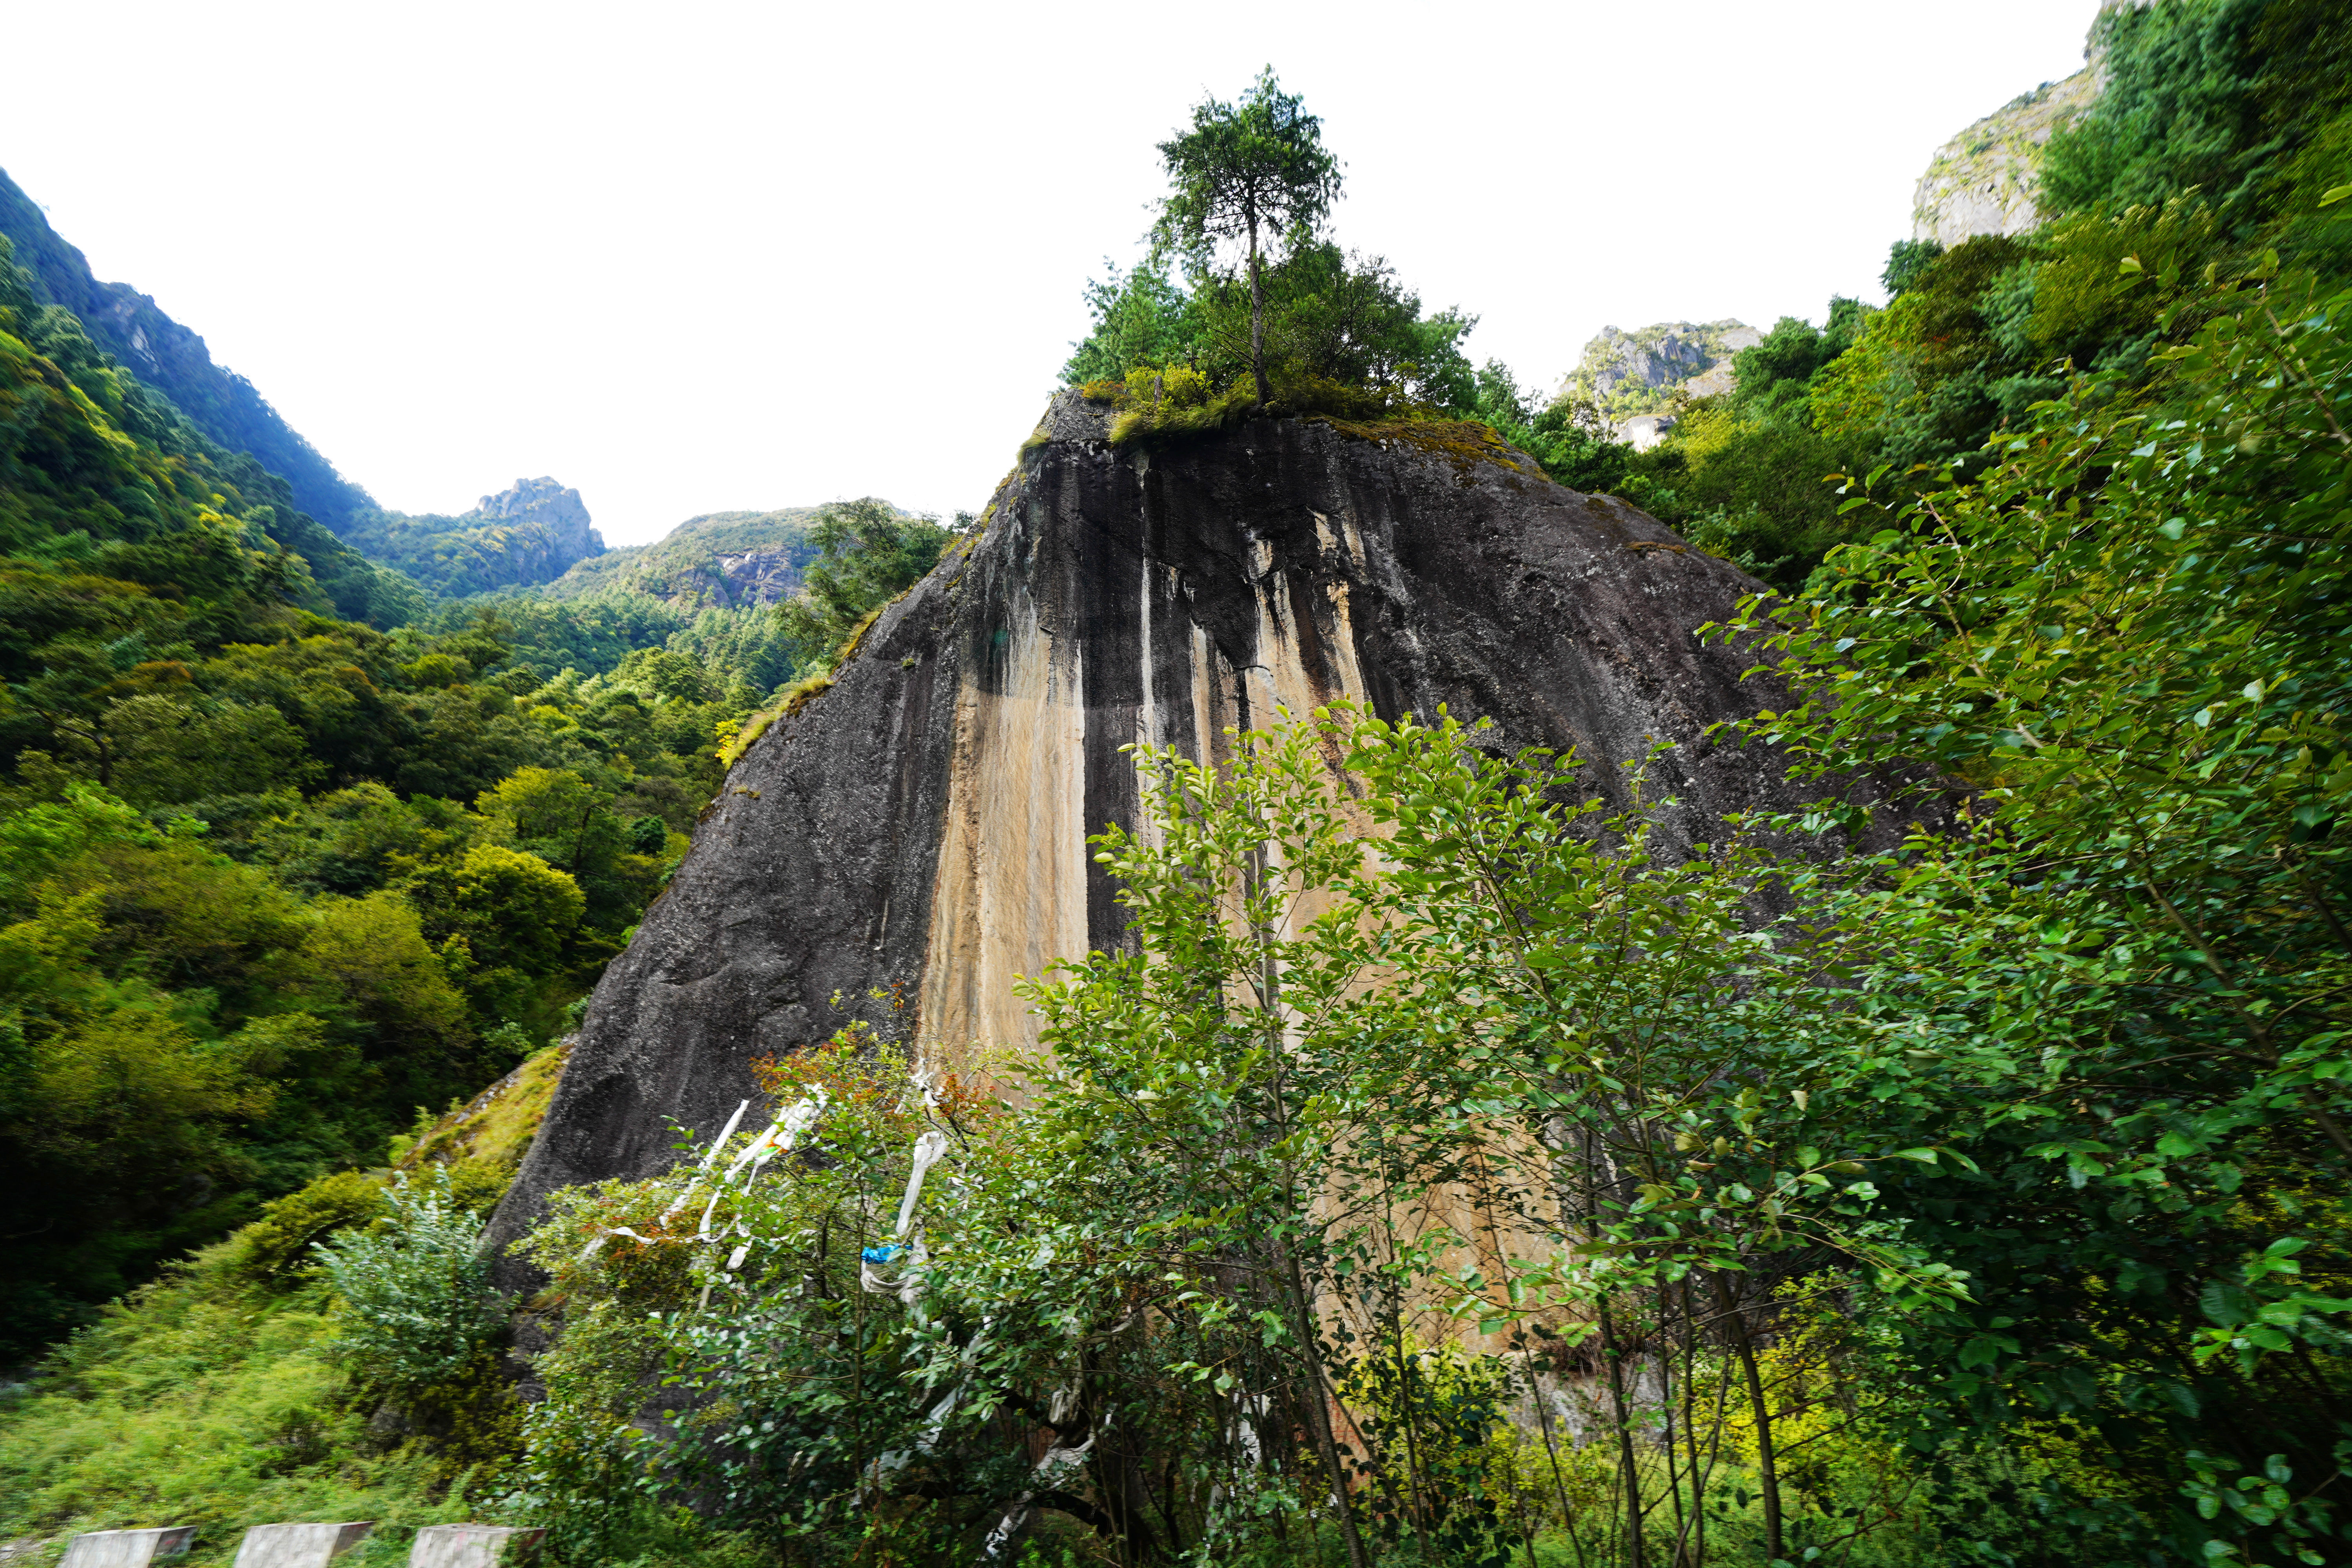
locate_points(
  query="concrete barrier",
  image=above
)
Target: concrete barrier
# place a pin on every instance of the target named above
(472, 1546)
(128, 1548)
(299, 1545)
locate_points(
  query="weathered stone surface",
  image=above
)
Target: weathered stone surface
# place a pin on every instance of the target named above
(1634, 371)
(757, 578)
(299, 1545)
(471, 1546)
(919, 829)
(1644, 431)
(129, 1548)
(730, 559)
(543, 525)
(1988, 179)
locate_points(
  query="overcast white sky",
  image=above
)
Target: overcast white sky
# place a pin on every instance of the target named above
(696, 256)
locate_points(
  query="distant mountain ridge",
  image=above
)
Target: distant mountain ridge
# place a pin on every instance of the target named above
(174, 361)
(530, 533)
(720, 560)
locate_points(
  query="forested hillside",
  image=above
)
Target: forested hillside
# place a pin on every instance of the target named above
(284, 854)
(2220, 131)
(1459, 1159)
(175, 362)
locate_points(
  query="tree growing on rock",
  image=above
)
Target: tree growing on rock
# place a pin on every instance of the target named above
(1247, 172)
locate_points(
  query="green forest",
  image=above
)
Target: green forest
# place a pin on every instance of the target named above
(295, 846)
(1448, 1173)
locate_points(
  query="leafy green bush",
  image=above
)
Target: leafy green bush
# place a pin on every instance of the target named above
(418, 1290)
(281, 1240)
(868, 553)
(2128, 968)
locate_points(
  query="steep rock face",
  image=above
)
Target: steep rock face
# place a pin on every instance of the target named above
(1631, 371)
(918, 832)
(1988, 179)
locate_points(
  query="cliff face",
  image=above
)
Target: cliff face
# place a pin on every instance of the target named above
(1631, 373)
(727, 560)
(542, 527)
(919, 829)
(1988, 179)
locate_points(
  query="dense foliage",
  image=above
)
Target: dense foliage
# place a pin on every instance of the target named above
(868, 553)
(2221, 125)
(1985, 1206)
(1442, 1173)
(271, 878)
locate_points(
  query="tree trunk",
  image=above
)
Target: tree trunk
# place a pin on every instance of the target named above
(1257, 322)
(1318, 1406)
(1767, 1471)
(1613, 1355)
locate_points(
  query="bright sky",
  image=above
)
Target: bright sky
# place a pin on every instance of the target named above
(693, 257)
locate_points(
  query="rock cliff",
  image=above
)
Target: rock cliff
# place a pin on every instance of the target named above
(1632, 373)
(725, 560)
(1987, 180)
(545, 526)
(531, 533)
(911, 840)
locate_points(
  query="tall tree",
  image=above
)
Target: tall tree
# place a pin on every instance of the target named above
(1249, 171)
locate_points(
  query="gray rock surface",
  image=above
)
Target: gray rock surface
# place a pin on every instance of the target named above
(730, 559)
(299, 1545)
(1988, 179)
(755, 579)
(543, 525)
(918, 830)
(1632, 373)
(129, 1548)
(472, 1546)
(1644, 431)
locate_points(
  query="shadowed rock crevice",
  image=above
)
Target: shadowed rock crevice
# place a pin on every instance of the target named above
(904, 846)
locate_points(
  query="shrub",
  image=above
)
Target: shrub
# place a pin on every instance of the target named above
(282, 1239)
(420, 1305)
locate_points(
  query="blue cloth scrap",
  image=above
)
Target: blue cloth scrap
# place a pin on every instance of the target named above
(882, 1254)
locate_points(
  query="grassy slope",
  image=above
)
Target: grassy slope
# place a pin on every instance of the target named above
(215, 1398)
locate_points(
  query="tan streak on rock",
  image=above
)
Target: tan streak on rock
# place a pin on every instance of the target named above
(1010, 895)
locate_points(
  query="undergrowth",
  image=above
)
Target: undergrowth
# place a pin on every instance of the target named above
(1160, 406)
(223, 1393)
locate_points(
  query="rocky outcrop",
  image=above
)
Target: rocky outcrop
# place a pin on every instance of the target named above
(545, 525)
(1988, 179)
(754, 579)
(907, 843)
(1634, 373)
(1644, 431)
(727, 560)
(531, 533)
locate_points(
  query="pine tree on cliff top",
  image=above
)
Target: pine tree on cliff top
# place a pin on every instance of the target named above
(1246, 169)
